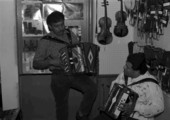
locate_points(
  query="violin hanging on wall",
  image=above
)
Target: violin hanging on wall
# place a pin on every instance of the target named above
(121, 30)
(105, 36)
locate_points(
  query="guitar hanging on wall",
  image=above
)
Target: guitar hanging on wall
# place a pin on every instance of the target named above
(105, 36)
(121, 30)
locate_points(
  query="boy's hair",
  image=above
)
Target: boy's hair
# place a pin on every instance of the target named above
(138, 62)
(55, 17)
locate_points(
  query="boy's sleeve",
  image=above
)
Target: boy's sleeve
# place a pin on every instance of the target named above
(153, 103)
(40, 60)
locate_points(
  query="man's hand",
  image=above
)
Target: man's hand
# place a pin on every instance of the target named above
(73, 60)
(127, 108)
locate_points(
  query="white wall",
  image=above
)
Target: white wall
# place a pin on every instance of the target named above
(112, 56)
(8, 54)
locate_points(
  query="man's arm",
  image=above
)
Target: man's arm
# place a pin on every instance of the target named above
(153, 103)
(41, 60)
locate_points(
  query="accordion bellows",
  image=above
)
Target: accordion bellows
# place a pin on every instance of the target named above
(118, 94)
(82, 58)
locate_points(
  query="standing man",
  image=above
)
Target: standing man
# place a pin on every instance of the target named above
(47, 57)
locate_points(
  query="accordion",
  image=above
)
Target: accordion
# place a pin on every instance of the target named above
(119, 94)
(82, 58)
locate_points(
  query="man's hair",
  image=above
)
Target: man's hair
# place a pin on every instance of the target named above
(55, 17)
(138, 62)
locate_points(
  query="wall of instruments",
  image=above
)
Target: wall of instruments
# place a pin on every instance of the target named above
(114, 38)
(31, 25)
(154, 41)
(143, 21)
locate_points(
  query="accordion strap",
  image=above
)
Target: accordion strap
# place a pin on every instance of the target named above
(145, 80)
(69, 35)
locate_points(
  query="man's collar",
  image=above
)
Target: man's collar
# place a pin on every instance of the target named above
(140, 77)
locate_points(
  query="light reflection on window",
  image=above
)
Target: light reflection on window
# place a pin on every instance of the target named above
(38, 11)
(31, 11)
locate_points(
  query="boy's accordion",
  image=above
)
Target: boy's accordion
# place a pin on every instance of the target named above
(80, 58)
(118, 94)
